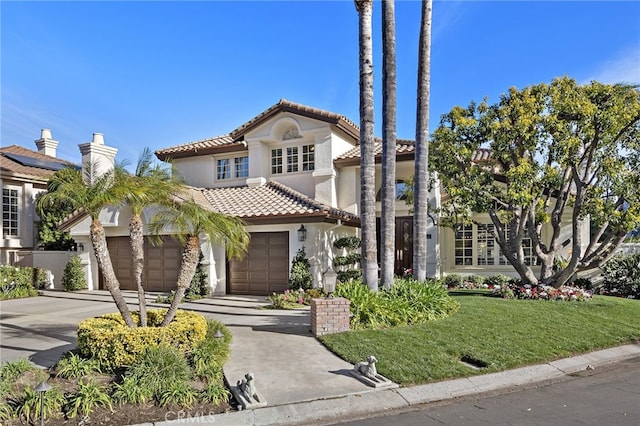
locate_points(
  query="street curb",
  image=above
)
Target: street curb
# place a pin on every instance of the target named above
(366, 403)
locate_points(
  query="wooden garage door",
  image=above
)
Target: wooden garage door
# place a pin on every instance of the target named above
(161, 268)
(265, 268)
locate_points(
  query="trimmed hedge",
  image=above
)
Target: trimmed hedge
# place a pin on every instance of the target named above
(108, 339)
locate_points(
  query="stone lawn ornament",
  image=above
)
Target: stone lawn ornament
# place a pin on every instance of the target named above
(246, 393)
(367, 373)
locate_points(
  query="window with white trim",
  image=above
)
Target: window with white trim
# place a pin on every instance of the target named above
(231, 168)
(276, 161)
(10, 211)
(292, 159)
(475, 245)
(308, 158)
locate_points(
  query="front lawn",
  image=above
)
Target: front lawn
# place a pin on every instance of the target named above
(502, 333)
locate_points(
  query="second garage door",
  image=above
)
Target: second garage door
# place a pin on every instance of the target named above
(265, 268)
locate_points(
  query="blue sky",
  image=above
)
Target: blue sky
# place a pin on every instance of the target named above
(156, 74)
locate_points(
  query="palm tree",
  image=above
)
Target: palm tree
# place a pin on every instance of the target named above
(369, 260)
(152, 184)
(189, 221)
(421, 176)
(91, 193)
(388, 216)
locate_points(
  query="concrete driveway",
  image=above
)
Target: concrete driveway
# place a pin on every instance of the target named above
(289, 364)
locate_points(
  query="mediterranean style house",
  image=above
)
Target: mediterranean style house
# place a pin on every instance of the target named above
(292, 174)
(23, 174)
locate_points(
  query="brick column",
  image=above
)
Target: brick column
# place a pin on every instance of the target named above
(329, 315)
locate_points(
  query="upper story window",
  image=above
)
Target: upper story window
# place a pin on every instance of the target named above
(289, 159)
(10, 211)
(292, 159)
(230, 168)
(308, 158)
(276, 161)
(401, 191)
(241, 166)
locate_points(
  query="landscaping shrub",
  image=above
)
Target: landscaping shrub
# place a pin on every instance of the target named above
(300, 274)
(452, 281)
(621, 277)
(178, 393)
(130, 391)
(347, 265)
(407, 302)
(19, 282)
(73, 366)
(107, 338)
(215, 393)
(28, 405)
(210, 355)
(498, 280)
(73, 278)
(88, 396)
(199, 286)
(158, 368)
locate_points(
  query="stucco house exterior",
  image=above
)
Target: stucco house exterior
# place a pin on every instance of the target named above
(292, 174)
(23, 174)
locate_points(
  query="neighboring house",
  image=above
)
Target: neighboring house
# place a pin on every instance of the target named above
(292, 173)
(23, 174)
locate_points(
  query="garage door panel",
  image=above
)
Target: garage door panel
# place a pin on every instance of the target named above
(265, 268)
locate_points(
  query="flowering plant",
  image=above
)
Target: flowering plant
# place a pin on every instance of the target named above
(517, 290)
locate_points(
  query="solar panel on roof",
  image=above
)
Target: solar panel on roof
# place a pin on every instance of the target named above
(34, 162)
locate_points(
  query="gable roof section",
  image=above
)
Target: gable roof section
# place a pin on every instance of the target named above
(340, 121)
(273, 203)
(216, 144)
(11, 164)
(405, 150)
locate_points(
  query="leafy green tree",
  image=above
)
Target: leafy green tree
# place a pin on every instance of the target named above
(49, 237)
(151, 184)
(188, 220)
(84, 189)
(367, 152)
(554, 149)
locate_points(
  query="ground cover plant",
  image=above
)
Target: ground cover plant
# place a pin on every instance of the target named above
(17, 282)
(484, 327)
(164, 380)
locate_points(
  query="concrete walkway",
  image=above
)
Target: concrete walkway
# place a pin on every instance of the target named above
(301, 380)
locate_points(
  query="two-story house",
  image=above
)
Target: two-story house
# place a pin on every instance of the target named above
(292, 173)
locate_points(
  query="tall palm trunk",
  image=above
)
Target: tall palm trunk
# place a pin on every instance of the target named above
(388, 216)
(136, 239)
(99, 242)
(421, 172)
(190, 257)
(369, 260)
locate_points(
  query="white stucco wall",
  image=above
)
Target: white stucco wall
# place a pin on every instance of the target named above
(196, 171)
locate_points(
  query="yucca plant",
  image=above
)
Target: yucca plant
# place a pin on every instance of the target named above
(88, 396)
(73, 366)
(179, 393)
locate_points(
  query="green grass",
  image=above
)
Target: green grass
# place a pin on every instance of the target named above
(503, 333)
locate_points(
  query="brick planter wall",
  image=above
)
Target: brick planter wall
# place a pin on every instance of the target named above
(329, 316)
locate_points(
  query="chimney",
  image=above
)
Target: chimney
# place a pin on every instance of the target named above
(99, 156)
(45, 144)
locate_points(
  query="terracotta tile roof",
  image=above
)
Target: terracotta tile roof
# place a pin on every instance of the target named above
(13, 168)
(404, 150)
(203, 146)
(272, 202)
(284, 105)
